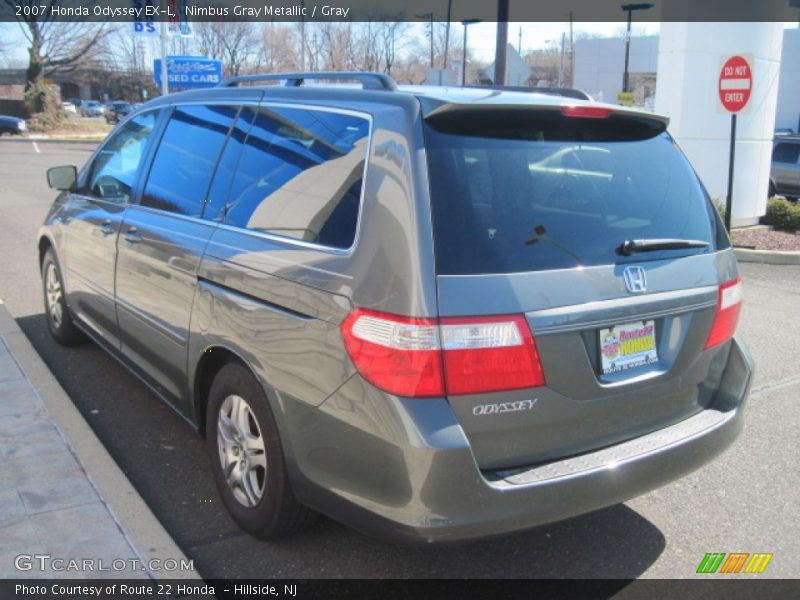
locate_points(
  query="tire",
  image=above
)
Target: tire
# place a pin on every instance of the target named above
(59, 319)
(259, 496)
(771, 191)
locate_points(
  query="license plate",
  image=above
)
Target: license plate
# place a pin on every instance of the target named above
(628, 346)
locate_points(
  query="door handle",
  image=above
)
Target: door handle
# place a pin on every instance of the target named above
(106, 228)
(132, 236)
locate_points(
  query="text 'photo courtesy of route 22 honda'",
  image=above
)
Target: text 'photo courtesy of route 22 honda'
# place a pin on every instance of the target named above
(431, 314)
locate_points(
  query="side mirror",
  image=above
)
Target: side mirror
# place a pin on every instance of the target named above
(62, 178)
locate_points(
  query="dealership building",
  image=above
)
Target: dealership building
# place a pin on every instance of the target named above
(677, 74)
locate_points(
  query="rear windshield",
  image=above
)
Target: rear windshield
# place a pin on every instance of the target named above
(539, 198)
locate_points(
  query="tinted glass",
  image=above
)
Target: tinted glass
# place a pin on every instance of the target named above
(786, 153)
(186, 157)
(544, 200)
(299, 176)
(218, 192)
(115, 169)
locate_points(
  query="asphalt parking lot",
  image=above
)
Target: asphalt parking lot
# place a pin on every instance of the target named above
(746, 501)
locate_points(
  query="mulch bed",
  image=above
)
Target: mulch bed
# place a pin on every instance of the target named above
(766, 239)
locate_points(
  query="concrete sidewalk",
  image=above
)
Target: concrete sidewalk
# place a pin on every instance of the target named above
(61, 495)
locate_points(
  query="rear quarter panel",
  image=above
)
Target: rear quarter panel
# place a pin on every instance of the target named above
(278, 304)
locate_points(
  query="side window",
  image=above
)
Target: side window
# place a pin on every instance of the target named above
(218, 193)
(186, 157)
(113, 173)
(786, 153)
(300, 176)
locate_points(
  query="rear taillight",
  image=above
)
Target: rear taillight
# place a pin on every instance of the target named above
(397, 354)
(489, 354)
(586, 112)
(729, 305)
(433, 357)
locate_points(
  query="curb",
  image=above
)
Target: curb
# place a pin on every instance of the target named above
(769, 257)
(138, 523)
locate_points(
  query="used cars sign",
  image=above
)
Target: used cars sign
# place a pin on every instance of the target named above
(189, 72)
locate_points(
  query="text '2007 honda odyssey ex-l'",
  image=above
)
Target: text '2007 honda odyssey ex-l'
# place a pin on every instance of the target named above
(429, 313)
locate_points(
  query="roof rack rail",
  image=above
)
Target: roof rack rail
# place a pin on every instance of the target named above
(369, 80)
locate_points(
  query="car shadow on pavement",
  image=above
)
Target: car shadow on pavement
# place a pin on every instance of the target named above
(612, 543)
(167, 463)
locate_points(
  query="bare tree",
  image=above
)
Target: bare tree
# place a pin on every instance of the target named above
(5, 47)
(336, 45)
(280, 48)
(55, 47)
(390, 34)
(411, 70)
(368, 46)
(234, 43)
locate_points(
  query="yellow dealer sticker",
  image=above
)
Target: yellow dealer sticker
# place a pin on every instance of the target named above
(627, 346)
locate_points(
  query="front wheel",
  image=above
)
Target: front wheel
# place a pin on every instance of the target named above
(59, 319)
(247, 458)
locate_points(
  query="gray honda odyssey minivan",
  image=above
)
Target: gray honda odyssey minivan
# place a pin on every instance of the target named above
(432, 314)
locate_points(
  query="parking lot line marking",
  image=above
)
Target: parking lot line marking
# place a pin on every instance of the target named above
(35, 147)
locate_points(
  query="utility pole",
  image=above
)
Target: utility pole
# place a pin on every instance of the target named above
(302, 37)
(429, 16)
(500, 50)
(519, 44)
(164, 76)
(447, 32)
(630, 8)
(561, 66)
(466, 24)
(571, 54)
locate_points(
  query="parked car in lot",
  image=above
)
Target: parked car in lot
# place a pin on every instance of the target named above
(116, 110)
(12, 125)
(430, 313)
(91, 108)
(69, 107)
(784, 175)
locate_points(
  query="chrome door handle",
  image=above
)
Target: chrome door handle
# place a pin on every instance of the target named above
(132, 236)
(106, 229)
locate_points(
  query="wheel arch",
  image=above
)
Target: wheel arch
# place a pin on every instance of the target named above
(211, 361)
(44, 244)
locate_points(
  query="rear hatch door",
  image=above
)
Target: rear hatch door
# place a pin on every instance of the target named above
(532, 209)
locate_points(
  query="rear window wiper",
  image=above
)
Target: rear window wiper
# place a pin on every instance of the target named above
(629, 247)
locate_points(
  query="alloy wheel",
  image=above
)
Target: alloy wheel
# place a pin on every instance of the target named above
(241, 450)
(53, 292)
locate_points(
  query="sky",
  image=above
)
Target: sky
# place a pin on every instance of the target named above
(481, 36)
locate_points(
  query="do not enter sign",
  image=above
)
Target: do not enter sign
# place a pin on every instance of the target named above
(735, 83)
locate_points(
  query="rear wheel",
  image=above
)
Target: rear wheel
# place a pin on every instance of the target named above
(59, 319)
(771, 192)
(247, 458)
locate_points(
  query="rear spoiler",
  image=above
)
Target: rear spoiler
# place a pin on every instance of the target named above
(604, 121)
(547, 91)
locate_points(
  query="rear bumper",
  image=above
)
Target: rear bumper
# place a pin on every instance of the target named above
(427, 487)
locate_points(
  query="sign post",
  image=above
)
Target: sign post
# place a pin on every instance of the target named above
(163, 73)
(735, 86)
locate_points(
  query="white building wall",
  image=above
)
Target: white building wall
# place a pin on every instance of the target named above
(600, 63)
(788, 113)
(690, 58)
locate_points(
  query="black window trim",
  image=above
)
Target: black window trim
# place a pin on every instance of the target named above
(161, 126)
(367, 160)
(158, 135)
